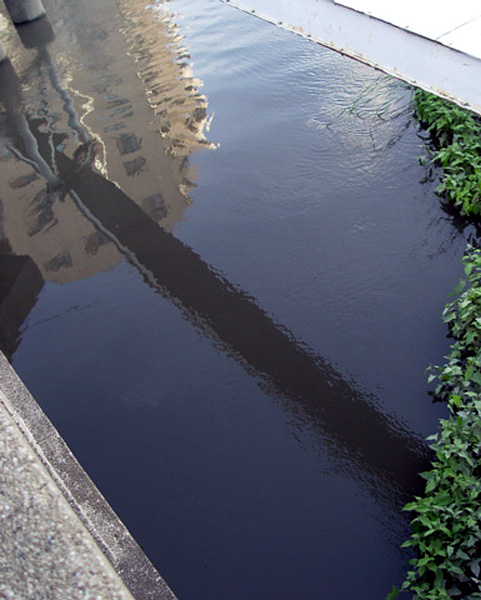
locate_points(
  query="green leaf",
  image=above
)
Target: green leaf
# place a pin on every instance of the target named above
(456, 400)
(394, 593)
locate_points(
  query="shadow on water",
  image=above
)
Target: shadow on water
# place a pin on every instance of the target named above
(372, 447)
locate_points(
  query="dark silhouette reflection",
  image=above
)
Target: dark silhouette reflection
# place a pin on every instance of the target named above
(20, 278)
(20, 284)
(308, 387)
(380, 452)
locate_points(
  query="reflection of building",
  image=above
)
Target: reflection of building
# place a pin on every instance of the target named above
(173, 93)
(110, 108)
(137, 102)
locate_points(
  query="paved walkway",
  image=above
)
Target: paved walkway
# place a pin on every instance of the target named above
(454, 24)
(59, 539)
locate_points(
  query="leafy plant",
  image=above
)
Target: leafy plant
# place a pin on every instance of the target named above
(456, 137)
(446, 522)
(446, 526)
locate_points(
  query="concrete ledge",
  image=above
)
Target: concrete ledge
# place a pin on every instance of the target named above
(33, 454)
(421, 61)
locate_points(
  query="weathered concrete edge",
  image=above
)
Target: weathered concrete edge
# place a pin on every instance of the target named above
(409, 56)
(114, 540)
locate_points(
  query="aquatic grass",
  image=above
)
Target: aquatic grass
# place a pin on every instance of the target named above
(446, 522)
(456, 147)
(383, 100)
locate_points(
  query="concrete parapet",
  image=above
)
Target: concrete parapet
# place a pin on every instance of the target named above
(58, 536)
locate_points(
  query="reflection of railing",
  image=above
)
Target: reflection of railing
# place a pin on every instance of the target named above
(139, 105)
(385, 453)
(38, 35)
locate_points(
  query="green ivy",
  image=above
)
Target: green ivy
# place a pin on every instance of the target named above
(446, 523)
(456, 135)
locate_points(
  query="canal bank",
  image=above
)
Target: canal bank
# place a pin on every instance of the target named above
(214, 333)
(58, 536)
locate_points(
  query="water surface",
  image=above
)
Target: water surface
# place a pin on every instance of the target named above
(236, 268)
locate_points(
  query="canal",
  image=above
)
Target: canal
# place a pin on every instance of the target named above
(223, 269)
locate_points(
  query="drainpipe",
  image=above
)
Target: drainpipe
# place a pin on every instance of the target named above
(23, 11)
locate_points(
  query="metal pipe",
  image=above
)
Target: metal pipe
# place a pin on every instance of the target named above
(23, 11)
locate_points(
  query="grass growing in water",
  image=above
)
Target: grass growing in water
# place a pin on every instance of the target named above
(456, 135)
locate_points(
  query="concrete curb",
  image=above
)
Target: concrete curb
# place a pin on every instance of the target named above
(96, 521)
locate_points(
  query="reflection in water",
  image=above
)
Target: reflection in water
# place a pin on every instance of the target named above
(233, 318)
(165, 68)
(311, 390)
(377, 449)
(20, 284)
(86, 188)
(112, 122)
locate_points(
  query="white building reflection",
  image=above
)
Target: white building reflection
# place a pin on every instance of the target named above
(121, 96)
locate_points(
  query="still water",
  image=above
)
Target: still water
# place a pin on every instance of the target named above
(232, 269)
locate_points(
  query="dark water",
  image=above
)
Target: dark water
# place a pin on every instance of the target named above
(228, 292)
